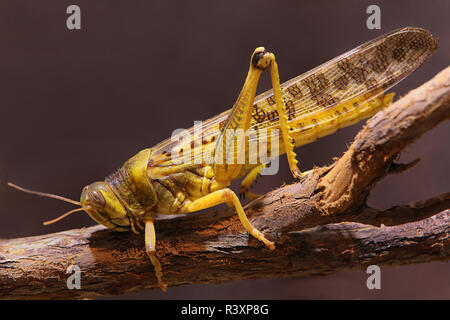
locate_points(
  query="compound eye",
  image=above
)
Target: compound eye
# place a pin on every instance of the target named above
(97, 199)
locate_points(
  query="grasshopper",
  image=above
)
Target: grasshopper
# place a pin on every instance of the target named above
(333, 95)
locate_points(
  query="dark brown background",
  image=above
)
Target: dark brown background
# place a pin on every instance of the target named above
(74, 105)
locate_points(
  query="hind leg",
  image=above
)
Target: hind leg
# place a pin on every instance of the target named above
(230, 140)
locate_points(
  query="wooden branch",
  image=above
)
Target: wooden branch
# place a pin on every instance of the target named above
(320, 225)
(371, 155)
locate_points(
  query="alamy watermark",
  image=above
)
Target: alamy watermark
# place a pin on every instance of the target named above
(374, 280)
(73, 21)
(374, 20)
(74, 280)
(233, 146)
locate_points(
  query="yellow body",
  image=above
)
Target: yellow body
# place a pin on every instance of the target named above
(332, 96)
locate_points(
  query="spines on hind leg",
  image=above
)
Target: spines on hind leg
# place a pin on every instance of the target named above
(248, 181)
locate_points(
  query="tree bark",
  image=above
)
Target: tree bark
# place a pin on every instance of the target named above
(320, 225)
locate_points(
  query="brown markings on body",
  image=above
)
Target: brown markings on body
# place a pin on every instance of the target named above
(341, 82)
(316, 83)
(270, 100)
(371, 84)
(325, 100)
(379, 63)
(295, 91)
(358, 74)
(290, 109)
(259, 114)
(390, 79)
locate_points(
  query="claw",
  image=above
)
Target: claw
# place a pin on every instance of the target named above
(270, 245)
(297, 174)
